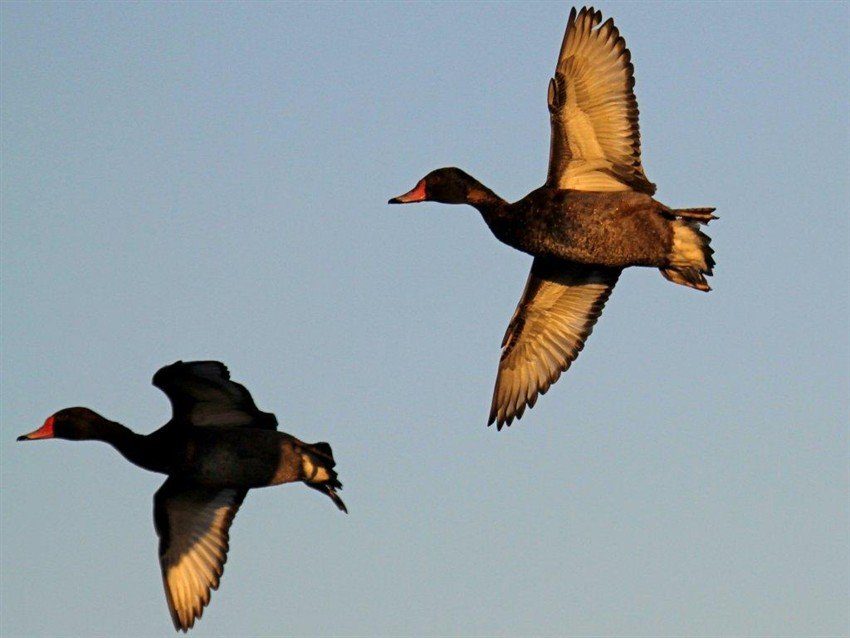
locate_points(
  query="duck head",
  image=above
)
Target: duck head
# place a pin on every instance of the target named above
(445, 185)
(71, 423)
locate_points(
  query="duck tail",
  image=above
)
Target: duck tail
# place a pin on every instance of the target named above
(317, 468)
(690, 257)
(701, 215)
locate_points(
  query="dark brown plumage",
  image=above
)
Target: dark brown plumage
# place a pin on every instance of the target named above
(594, 216)
(216, 447)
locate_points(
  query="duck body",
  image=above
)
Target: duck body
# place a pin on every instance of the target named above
(220, 456)
(613, 229)
(241, 457)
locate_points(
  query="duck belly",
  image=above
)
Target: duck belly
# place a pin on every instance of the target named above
(242, 457)
(606, 229)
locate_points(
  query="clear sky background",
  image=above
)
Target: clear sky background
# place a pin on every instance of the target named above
(190, 181)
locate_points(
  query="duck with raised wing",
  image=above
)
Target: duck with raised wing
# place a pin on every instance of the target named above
(594, 216)
(215, 448)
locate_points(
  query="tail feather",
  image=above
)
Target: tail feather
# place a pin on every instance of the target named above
(324, 449)
(317, 467)
(702, 215)
(331, 492)
(691, 253)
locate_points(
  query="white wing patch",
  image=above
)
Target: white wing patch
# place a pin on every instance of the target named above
(595, 136)
(193, 524)
(554, 317)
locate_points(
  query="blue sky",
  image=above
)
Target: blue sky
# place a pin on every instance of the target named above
(210, 181)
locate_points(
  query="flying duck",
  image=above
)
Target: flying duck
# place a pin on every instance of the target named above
(594, 216)
(215, 448)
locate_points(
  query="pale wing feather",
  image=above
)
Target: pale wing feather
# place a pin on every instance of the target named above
(193, 525)
(558, 309)
(595, 144)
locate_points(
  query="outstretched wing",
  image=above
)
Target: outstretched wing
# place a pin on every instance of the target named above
(595, 143)
(193, 525)
(202, 393)
(561, 303)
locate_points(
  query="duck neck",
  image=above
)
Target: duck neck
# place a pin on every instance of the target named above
(136, 448)
(492, 207)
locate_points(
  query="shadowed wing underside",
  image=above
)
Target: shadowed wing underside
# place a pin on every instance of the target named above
(595, 143)
(561, 303)
(193, 525)
(202, 394)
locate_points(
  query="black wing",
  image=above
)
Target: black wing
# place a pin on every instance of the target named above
(202, 394)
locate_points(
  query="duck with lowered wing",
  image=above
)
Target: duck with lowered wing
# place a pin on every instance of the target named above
(215, 448)
(594, 216)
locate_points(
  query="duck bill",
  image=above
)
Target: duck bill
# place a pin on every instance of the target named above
(417, 194)
(44, 432)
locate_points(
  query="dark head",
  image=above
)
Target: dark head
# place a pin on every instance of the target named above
(447, 186)
(71, 423)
